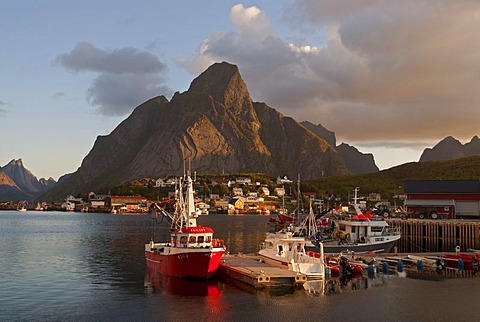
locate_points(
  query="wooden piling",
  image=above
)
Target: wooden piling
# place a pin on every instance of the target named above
(423, 235)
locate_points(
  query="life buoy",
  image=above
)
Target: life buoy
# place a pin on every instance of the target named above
(434, 215)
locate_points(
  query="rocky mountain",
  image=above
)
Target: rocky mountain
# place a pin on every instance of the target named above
(451, 149)
(9, 191)
(322, 132)
(216, 127)
(356, 161)
(18, 183)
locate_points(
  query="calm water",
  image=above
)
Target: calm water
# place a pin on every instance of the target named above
(89, 267)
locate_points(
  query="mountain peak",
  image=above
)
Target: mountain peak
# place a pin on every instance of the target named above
(17, 163)
(450, 148)
(223, 82)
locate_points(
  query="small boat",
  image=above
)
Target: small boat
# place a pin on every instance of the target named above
(286, 248)
(191, 252)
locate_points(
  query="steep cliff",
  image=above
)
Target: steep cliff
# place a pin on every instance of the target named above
(214, 126)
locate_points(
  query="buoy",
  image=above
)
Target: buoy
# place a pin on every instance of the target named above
(419, 266)
(385, 268)
(461, 264)
(400, 266)
(371, 271)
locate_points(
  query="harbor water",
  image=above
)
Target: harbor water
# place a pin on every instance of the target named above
(57, 266)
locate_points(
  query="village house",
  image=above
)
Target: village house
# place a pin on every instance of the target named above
(263, 191)
(238, 203)
(244, 180)
(126, 203)
(279, 191)
(221, 181)
(222, 205)
(237, 191)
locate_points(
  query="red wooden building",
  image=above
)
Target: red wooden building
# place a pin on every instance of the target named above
(443, 199)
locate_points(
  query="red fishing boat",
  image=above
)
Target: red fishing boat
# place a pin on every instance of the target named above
(191, 252)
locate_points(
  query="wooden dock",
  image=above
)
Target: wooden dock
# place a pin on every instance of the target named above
(250, 270)
(428, 235)
(410, 266)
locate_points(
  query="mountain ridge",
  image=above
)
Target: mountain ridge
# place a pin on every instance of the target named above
(216, 126)
(450, 148)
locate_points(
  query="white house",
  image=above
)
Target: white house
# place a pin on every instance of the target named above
(263, 191)
(237, 191)
(279, 191)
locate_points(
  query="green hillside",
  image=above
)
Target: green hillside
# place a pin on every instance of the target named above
(390, 182)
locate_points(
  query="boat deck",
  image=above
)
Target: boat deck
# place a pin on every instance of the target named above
(250, 270)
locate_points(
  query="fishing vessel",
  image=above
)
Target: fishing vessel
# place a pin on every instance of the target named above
(356, 232)
(287, 248)
(191, 252)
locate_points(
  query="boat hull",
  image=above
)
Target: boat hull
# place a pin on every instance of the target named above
(334, 248)
(188, 263)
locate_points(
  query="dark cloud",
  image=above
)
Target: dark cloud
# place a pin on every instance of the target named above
(389, 71)
(127, 76)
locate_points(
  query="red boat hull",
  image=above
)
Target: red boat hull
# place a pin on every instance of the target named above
(471, 261)
(190, 263)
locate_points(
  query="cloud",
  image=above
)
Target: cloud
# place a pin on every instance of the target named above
(392, 71)
(126, 76)
(117, 95)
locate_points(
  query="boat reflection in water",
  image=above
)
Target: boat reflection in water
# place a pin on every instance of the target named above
(158, 283)
(323, 287)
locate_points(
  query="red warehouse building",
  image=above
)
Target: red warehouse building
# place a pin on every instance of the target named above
(443, 199)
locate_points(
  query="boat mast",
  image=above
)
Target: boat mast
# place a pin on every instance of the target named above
(298, 200)
(191, 216)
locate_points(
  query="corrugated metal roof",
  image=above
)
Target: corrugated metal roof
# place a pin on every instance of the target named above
(442, 186)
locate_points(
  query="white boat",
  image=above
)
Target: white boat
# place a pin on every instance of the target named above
(357, 233)
(287, 248)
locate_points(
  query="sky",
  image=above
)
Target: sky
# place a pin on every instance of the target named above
(388, 77)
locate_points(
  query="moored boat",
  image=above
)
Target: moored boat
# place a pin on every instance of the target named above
(356, 232)
(191, 252)
(287, 248)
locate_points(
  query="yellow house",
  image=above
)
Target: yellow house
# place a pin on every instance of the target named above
(237, 203)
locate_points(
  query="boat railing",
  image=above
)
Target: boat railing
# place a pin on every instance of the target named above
(392, 231)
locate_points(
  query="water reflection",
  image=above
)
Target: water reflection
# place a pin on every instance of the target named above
(159, 283)
(341, 285)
